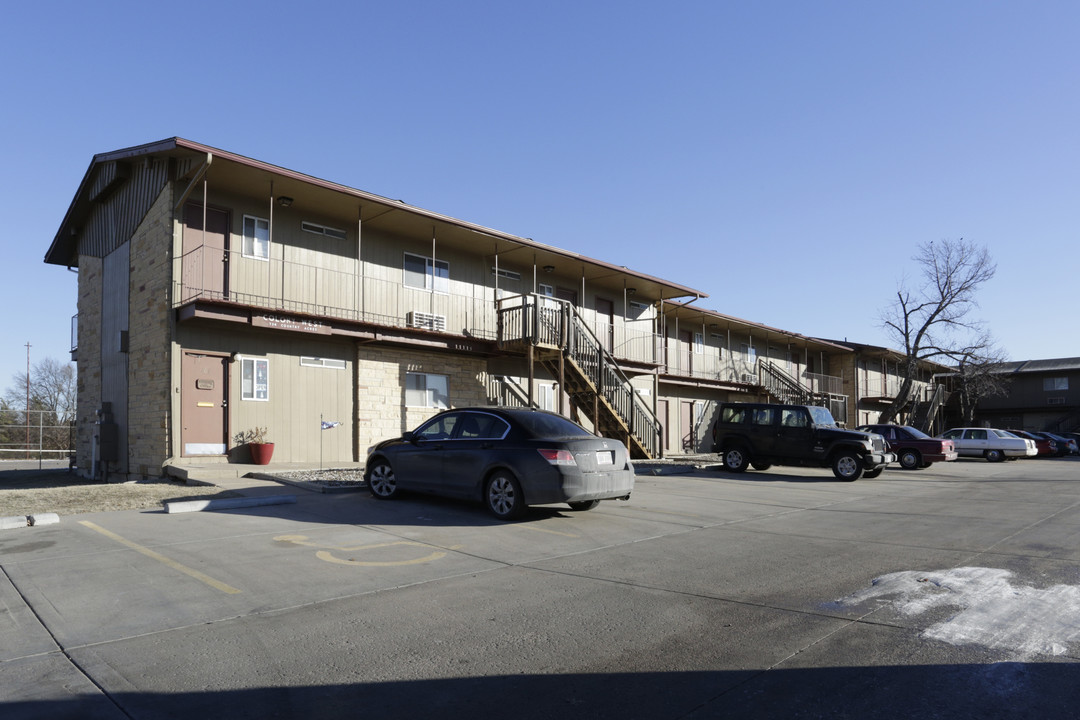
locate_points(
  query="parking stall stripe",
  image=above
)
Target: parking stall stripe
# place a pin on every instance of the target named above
(216, 584)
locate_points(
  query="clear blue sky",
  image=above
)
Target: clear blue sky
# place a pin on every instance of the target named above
(721, 145)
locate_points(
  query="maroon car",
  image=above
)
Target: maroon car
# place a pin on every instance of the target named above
(1045, 445)
(914, 449)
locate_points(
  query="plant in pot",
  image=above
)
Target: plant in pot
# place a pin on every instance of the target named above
(255, 439)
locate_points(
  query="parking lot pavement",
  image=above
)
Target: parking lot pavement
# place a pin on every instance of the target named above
(947, 592)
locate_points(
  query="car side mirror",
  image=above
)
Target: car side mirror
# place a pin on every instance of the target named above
(408, 437)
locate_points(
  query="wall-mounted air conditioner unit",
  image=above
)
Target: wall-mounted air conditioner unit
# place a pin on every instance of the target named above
(426, 321)
(749, 378)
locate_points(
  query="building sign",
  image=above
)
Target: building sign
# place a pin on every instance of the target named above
(276, 322)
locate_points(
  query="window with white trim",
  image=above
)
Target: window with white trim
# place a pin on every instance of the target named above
(699, 344)
(256, 243)
(254, 379)
(427, 390)
(427, 274)
(507, 274)
(545, 396)
(326, 230)
(332, 363)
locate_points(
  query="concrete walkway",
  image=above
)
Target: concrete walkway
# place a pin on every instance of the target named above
(250, 480)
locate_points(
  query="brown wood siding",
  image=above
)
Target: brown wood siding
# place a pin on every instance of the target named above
(115, 217)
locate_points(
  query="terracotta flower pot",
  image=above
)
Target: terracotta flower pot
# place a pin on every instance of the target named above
(261, 452)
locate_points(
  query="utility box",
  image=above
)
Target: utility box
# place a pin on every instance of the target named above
(108, 435)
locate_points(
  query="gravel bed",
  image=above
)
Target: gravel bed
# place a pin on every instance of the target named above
(343, 478)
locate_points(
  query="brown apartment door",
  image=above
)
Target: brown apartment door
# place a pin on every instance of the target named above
(203, 404)
(206, 259)
(686, 426)
(686, 352)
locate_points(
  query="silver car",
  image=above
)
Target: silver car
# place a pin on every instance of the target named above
(993, 444)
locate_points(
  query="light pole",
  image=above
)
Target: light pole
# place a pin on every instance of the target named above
(27, 401)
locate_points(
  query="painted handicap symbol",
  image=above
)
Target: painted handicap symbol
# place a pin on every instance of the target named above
(326, 552)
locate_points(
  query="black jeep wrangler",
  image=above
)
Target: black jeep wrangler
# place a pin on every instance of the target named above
(761, 435)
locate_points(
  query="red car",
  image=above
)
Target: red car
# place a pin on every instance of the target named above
(914, 449)
(1045, 445)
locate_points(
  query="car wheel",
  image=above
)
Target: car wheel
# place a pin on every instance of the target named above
(847, 466)
(910, 459)
(583, 506)
(381, 480)
(995, 455)
(503, 496)
(735, 459)
(873, 473)
(760, 466)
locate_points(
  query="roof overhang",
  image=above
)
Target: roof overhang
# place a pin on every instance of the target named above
(373, 212)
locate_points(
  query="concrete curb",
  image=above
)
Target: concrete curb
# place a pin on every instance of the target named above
(13, 521)
(664, 469)
(21, 521)
(227, 503)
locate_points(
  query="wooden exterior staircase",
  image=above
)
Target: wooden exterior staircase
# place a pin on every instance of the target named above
(552, 334)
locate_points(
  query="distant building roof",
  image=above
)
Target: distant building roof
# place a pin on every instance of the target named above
(1040, 366)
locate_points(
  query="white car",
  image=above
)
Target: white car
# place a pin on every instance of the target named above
(993, 444)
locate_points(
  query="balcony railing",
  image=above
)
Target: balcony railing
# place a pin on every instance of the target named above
(464, 308)
(823, 384)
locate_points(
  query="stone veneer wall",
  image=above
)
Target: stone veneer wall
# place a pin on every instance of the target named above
(149, 333)
(380, 389)
(88, 360)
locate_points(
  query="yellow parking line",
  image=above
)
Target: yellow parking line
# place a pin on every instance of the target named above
(162, 559)
(543, 530)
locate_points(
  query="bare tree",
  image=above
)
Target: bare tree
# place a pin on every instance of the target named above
(976, 379)
(932, 321)
(53, 392)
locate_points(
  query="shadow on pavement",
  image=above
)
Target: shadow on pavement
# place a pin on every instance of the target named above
(1045, 690)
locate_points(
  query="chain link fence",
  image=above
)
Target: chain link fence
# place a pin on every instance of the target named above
(38, 435)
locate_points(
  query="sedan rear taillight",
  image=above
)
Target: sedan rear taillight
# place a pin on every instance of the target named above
(557, 457)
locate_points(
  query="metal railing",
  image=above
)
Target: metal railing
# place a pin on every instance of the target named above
(37, 436)
(541, 320)
(458, 307)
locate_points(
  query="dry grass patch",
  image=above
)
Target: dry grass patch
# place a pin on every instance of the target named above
(29, 492)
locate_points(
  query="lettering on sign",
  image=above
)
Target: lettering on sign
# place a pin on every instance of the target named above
(277, 322)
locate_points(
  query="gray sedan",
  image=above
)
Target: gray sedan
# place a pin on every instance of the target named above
(508, 458)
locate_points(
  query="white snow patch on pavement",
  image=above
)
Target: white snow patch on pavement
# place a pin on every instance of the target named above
(993, 611)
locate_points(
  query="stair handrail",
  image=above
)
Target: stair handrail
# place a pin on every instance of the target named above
(784, 386)
(542, 319)
(610, 380)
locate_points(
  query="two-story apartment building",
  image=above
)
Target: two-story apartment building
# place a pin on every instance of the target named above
(218, 293)
(872, 377)
(710, 357)
(1040, 395)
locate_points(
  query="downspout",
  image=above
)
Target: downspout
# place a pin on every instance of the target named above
(360, 263)
(269, 262)
(434, 271)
